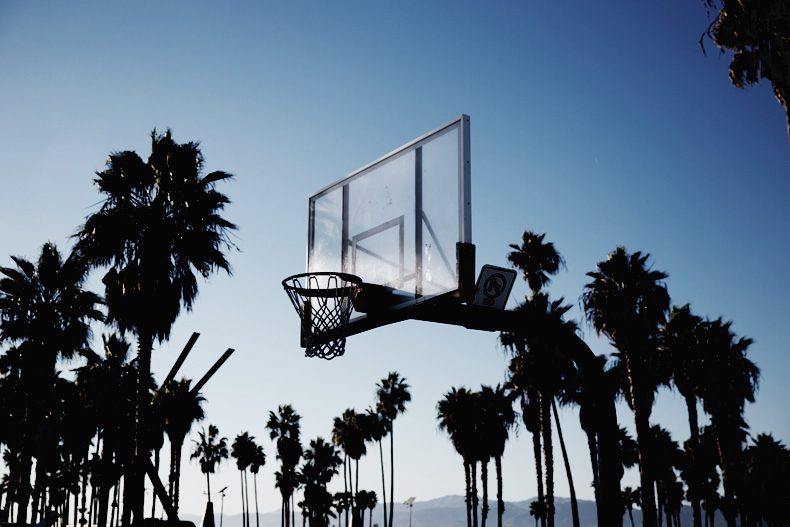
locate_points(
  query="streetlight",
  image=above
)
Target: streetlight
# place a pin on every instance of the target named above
(222, 505)
(410, 503)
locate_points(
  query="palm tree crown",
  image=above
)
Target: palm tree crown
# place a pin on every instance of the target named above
(537, 260)
(159, 221)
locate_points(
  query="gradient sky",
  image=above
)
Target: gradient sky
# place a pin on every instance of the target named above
(600, 124)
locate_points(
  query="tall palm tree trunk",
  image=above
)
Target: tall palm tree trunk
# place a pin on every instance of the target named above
(383, 482)
(574, 503)
(484, 480)
(156, 469)
(548, 457)
(468, 500)
(641, 419)
(255, 487)
(392, 472)
(246, 497)
(474, 494)
(694, 480)
(136, 482)
(726, 477)
(593, 448)
(23, 483)
(177, 477)
(241, 484)
(538, 463)
(500, 503)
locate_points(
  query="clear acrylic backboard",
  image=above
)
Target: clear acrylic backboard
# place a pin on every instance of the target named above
(397, 222)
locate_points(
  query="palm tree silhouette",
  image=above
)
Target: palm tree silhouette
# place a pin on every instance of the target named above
(258, 460)
(767, 482)
(366, 499)
(537, 509)
(538, 367)
(158, 225)
(181, 408)
(284, 427)
(681, 349)
(757, 34)
(730, 380)
(349, 434)
(627, 302)
(243, 450)
(535, 259)
(665, 457)
(456, 415)
(393, 394)
(631, 497)
(321, 462)
(209, 451)
(377, 431)
(107, 386)
(498, 419)
(44, 314)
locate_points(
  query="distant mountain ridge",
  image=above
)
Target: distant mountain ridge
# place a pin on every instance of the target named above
(450, 511)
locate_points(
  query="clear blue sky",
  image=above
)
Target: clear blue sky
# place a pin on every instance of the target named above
(600, 124)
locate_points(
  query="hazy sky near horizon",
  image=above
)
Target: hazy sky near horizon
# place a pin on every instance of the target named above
(600, 124)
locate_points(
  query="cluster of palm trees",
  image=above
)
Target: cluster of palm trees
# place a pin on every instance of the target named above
(158, 225)
(627, 302)
(313, 468)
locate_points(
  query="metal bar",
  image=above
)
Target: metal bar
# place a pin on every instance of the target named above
(465, 182)
(395, 222)
(438, 245)
(418, 215)
(310, 232)
(344, 233)
(160, 491)
(181, 358)
(212, 371)
(374, 255)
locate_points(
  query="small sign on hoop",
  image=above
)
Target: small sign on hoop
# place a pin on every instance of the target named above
(493, 286)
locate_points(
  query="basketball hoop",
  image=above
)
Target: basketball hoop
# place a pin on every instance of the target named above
(324, 301)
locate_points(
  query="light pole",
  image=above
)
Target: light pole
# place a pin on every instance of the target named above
(410, 503)
(222, 504)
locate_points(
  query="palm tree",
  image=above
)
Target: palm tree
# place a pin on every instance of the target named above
(209, 451)
(180, 407)
(535, 259)
(377, 431)
(767, 481)
(243, 450)
(455, 413)
(45, 314)
(393, 394)
(366, 499)
(537, 509)
(631, 497)
(321, 462)
(538, 367)
(757, 33)
(159, 223)
(258, 460)
(627, 302)
(498, 419)
(107, 386)
(680, 346)
(284, 427)
(730, 380)
(349, 434)
(665, 457)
